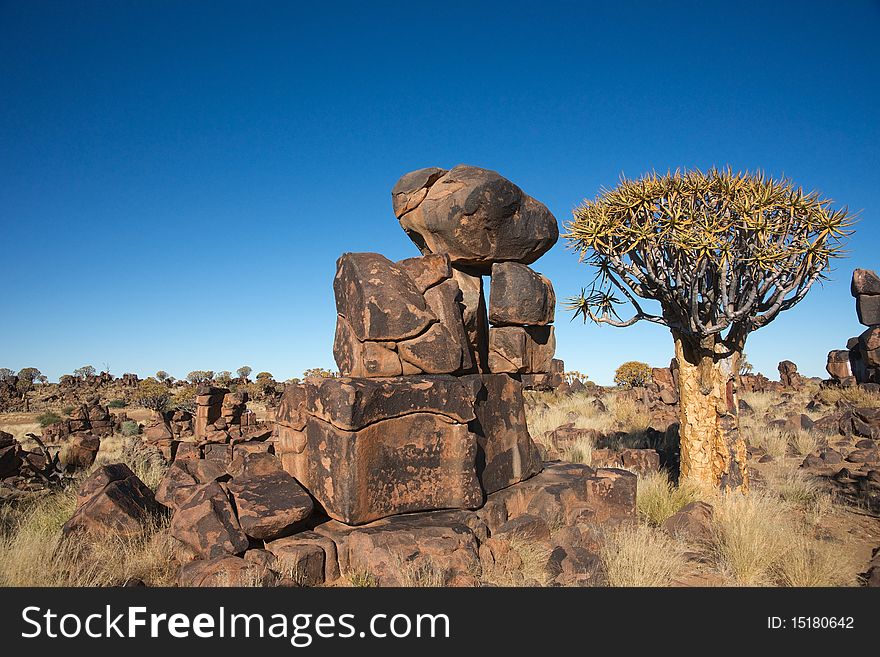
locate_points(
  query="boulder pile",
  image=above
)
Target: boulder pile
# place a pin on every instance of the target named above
(417, 458)
(859, 363)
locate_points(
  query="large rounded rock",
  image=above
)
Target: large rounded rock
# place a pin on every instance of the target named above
(475, 215)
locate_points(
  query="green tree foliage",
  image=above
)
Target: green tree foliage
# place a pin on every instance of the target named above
(6, 374)
(153, 395)
(264, 375)
(633, 374)
(243, 372)
(162, 376)
(745, 367)
(718, 251)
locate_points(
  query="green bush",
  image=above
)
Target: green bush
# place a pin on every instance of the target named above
(47, 418)
(67, 410)
(130, 428)
(117, 403)
(633, 374)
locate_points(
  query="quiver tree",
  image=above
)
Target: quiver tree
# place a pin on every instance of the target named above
(717, 255)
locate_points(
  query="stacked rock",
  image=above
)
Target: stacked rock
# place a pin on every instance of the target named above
(428, 412)
(864, 351)
(859, 363)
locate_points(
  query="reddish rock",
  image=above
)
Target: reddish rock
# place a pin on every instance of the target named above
(416, 462)
(438, 548)
(428, 270)
(838, 366)
(330, 560)
(506, 453)
(351, 404)
(520, 296)
(521, 349)
(526, 527)
(693, 522)
(112, 501)
(474, 215)
(223, 571)
(378, 299)
(301, 562)
(80, 451)
(182, 478)
(865, 281)
(269, 505)
(206, 523)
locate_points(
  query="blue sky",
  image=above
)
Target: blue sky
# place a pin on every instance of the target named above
(178, 179)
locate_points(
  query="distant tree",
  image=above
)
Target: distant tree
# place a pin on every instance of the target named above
(6, 374)
(318, 372)
(29, 374)
(718, 255)
(244, 372)
(264, 375)
(294, 380)
(153, 395)
(197, 376)
(84, 372)
(209, 375)
(162, 375)
(745, 367)
(570, 376)
(43, 379)
(224, 377)
(633, 374)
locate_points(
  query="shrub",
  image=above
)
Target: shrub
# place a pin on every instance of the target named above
(638, 555)
(657, 498)
(185, 399)
(130, 428)
(117, 403)
(633, 374)
(152, 395)
(47, 418)
(67, 410)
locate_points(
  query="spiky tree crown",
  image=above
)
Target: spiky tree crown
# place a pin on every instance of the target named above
(718, 250)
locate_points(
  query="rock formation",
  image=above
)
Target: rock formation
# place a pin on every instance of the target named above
(860, 362)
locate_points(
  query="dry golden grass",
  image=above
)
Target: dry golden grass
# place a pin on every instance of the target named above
(638, 555)
(749, 536)
(853, 396)
(774, 441)
(657, 498)
(581, 451)
(805, 442)
(34, 553)
(811, 562)
(145, 461)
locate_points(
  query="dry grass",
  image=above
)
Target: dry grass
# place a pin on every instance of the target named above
(853, 396)
(34, 553)
(811, 562)
(145, 461)
(581, 451)
(657, 498)
(749, 536)
(774, 441)
(638, 555)
(805, 442)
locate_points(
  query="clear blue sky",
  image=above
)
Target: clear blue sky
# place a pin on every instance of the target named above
(177, 179)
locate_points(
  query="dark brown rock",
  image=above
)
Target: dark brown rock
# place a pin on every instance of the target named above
(838, 364)
(378, 299)
(428, 270)
(112, 501)
(521, 349)
(506, 453)
(416, 462)
(865, 281)
(693, 522)
(351, 404)
(223, 571)
(520, 296)
(474, 215)
(269, 505)
(206, 523)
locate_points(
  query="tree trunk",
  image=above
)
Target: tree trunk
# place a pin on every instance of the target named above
(712, 450)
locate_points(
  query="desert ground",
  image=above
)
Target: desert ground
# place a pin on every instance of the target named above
(810, 518)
